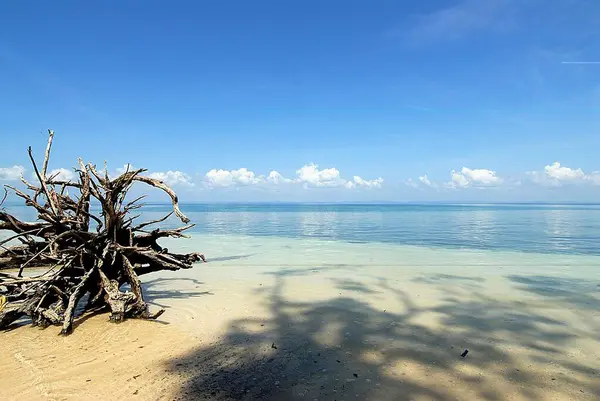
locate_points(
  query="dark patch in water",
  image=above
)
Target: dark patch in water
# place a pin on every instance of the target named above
(226, 258)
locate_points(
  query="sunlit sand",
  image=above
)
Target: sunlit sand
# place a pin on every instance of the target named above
(279, 319)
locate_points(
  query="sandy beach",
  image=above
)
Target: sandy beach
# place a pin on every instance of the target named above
(281, 319)
(300, 200)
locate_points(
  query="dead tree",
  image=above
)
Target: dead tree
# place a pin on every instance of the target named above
(82, 255)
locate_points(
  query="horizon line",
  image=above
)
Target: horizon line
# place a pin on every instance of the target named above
(366, 203)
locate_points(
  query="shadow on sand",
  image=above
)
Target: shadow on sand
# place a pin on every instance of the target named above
(575, 292)
(160, 288)
(344, 348)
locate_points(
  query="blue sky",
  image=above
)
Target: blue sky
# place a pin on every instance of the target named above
(478, 98)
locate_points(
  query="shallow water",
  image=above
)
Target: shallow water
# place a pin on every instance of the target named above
(397, 316)
(328, 302)
(526, 228)
(315, 269)
(565, 229)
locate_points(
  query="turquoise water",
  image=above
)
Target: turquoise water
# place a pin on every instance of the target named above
(568, 229)
(565, 229)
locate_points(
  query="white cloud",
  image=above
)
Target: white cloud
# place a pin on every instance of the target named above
(540, 178)
(467, 177)
(173, 178)
(426, 181)
(594, 178)
(311, 175)
(481, 176)
(556, 175)
(457, 180)
(226, 178)
(557, 172)
(11, 173)
(423, 181)
(61, 174)
(361, 183)
(122, 170)
(276, 178)
(118, 171)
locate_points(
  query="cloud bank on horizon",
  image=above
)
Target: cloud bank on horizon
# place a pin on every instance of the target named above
(552, 175)
(310, 176)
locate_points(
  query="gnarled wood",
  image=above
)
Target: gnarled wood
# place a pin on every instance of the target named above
(79, 261)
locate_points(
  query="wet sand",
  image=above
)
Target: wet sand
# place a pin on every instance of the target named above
(280, 319)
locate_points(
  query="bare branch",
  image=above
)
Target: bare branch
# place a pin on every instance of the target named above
(100, 179)
(24, 233)
(43, 184)
(140, 226)
(139, 198)
(47, 156)
(77, 261)
(169, 191)
(64, 183)
(4, 197)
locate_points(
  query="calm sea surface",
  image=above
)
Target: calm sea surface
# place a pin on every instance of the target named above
(528, 228)
(566, 229)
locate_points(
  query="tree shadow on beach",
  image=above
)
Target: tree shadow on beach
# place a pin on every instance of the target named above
(442, 278)
(575, 292)
(162, 288)
(345, 348)
(353, 286)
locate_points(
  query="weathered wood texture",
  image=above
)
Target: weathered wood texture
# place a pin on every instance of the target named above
(82, 253)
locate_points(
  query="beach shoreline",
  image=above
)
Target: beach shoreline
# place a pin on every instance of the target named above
(277, 318)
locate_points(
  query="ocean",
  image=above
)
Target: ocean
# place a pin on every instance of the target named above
(532, 228)
(554, 229)
(373, 301)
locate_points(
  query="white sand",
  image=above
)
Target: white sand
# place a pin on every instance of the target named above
(349, 321)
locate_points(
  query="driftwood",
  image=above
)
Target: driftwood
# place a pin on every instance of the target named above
(83, 255)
